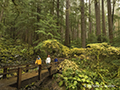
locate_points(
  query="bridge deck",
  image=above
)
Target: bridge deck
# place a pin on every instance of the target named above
(5, 84)
(27, 78)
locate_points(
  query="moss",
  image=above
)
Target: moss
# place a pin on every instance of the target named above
(14, 52)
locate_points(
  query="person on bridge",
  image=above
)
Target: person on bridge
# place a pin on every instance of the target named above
(38, 61)
(56, 60)
(48, 60)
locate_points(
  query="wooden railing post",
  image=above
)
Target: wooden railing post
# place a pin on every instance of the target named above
(19, 77)
(39, 72)
(50, 71)
(4, 71)
(27, 67)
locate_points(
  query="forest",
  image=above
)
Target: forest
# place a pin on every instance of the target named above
(85, 32)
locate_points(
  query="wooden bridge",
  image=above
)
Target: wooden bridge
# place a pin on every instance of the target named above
(30, 75)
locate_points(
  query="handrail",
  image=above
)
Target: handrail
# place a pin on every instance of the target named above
(23, 68)
(19, 68)
(14, 66)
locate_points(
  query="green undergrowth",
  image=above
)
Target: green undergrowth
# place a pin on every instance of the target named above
(82, 74)
(55, 48)
(15, 52)
(99, 62)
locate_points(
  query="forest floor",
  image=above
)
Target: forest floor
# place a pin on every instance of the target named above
(49, 84)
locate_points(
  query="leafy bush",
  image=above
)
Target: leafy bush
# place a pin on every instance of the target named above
(105, 50)
(53, 47)
(74, 77)
(76, 51)
(12, 52)
(76, 43)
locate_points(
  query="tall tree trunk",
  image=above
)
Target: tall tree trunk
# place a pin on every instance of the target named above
(110, 26)
(90, 23)
(38, 19)
(114, 1)
(58, 12)
(79, 31)
(73, 34)
(26, 38)
(97, 14)
(62, 31)
(1, 15)
(86, 34)
(83, 38)
(52, 7)
(67, 24)
(103, 19)
(118, 24)
(58, 16)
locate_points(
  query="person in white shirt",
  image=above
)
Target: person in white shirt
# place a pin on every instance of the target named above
(48, 60)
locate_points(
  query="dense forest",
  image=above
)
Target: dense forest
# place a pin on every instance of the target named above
(84, 31)
(73, 23)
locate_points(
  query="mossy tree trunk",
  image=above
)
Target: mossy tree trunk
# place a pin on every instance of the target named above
(67, 24)
(83, 32)
(110, 25)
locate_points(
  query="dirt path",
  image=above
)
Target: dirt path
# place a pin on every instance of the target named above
(49, 83)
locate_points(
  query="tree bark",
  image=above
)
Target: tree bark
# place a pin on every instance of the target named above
(67, 24)
(114, 1)
(52, 7)
(61, 25)
(118, 24)
(57, 12)
(103, 19)
(79, 31)
(86, 34)
(90, 23)
(83, 38)
(97, 14)
(110, 25)
(1, 15)
(58, 16)
(38, 19)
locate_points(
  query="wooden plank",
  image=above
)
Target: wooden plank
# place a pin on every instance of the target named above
(15, 66)
(26, 68)
(39, 72)
(8, 72)
(50, 71)
(30, 67)
(12, 69)
(19, 77)
(5, 71)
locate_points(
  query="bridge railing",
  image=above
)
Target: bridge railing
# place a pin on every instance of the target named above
(26, 67)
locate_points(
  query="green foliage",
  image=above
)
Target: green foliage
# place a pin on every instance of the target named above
(53, 47)
(116, 40)
(76, 43)
(75, 77)
(102, 71)
(105, 50)
(29, 86)
(76, 51)
(13, 52)
(92, 39)
(83, 76)
(97, 39)
(48, 28)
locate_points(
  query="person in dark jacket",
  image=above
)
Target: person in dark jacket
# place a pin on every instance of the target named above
(56, 60)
